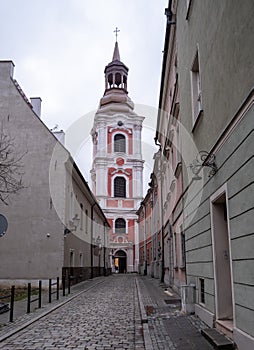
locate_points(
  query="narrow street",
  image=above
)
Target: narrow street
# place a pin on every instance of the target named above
(104, 317)
(109, 316)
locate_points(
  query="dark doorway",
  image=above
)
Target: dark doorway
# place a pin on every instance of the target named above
(121, 261)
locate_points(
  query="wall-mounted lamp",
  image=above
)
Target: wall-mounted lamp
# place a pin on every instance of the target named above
(203, 159)
(73, 223)
(98, 242)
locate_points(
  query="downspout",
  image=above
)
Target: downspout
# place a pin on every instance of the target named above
(104, 250)
(145, 248)
(91, 250)
(162, 225)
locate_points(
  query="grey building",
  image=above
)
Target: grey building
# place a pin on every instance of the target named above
(214, 75)
(56, 226)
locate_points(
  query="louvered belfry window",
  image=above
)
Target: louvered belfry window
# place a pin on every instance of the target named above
(120, 187)
(120, 225)
(119, 143)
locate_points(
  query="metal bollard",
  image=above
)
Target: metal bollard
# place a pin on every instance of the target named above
(12, 303)
(50, 290)
(39, 297)
(28, 298)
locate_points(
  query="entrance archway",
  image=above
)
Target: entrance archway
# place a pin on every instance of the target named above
(121, 261)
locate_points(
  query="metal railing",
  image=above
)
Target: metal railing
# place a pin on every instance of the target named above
(51, 284)
(11, 305)
(53, 288)
(30, 300)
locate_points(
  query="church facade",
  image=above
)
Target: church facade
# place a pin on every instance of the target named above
(117, 169)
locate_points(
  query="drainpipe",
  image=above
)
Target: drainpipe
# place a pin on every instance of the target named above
(145, 248)
(104, 250)
(162, 224)
(91, 250)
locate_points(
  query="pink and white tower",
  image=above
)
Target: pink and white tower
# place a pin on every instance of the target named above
(117, 170)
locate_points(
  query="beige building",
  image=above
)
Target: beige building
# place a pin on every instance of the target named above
(55, 225)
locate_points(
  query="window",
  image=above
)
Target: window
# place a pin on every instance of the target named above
(81, 259)
(119, 143)
(71, 206)
(188, 5)
(178, 144)
(81, 216)
(86, 224)
(196, 89)
(120, 226)
(120, 187)
(202, 290)
(71, 258)
(175, 251)
(183, 255)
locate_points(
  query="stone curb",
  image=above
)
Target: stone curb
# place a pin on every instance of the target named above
(45, 313)
(144, 320)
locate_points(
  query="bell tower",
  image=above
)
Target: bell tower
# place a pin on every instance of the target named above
(117, 169)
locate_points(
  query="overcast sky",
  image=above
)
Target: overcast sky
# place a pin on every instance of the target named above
(61, 47)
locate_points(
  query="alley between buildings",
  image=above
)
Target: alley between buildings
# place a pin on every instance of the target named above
(110, 315)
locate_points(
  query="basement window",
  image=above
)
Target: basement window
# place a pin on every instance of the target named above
(202, 291)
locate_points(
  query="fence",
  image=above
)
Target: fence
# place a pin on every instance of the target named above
(11, 306)
(53, 288)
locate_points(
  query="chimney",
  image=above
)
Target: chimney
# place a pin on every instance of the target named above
(36, 103)
(6, 69)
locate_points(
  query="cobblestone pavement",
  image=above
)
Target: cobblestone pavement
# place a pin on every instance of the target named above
(104, 317)
(168, 328)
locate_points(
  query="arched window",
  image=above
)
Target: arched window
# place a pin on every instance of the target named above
(119, 143)
(120, 187)
(120, 226)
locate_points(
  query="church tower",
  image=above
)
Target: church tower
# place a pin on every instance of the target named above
(117, 170)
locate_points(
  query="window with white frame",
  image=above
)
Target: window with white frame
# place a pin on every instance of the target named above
(71, 206)
(120, 226)
(81, 216)
(71, 258)
(119, 143)
(81, 259)
(178, 145)
(196, 89)
(120, 187)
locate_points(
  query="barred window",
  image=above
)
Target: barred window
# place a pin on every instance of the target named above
(120, 225)
(120, 187)
(119, 143)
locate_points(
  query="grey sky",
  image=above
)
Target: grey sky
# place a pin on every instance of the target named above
(60, 49)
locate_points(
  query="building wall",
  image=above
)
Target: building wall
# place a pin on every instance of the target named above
(41, 239)
(222, 33)
(33, 246)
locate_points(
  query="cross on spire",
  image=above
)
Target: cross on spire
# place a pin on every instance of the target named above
(116, 31)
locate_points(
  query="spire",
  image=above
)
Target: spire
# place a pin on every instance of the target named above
(116, 54)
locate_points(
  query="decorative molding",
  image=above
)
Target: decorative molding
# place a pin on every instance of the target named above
(120, 128)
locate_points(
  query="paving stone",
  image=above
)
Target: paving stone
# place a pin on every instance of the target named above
(105, 317)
